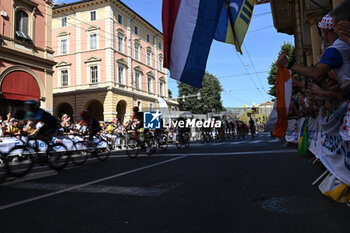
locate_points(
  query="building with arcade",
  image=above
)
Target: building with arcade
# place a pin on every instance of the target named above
(109, 59)
(26, 55)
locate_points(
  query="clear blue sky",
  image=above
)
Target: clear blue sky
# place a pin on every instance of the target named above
(262, 42)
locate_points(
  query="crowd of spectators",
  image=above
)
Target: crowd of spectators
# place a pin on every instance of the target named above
(326, 92)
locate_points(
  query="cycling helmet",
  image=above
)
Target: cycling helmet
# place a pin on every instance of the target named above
(31, 105)
(135, 109)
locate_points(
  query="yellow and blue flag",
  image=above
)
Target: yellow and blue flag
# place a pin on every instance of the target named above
(237, 13)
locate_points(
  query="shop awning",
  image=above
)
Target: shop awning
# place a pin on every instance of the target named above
(20, 85)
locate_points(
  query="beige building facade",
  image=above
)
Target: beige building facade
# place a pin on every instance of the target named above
(109, 59)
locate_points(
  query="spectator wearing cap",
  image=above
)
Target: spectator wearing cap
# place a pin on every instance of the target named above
(13, 128)
(335, 58)
(341, 16)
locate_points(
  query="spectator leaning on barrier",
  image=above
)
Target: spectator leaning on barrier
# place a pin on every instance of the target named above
(332, 70)
(341, 15)
(336, 57)
(13, 128)
(109, 128)
(30, 128)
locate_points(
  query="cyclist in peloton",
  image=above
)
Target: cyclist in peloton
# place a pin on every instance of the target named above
(137, 117)
(252, 127)
(137, 122)
(93, 126)
(184, 130)
(37, 114)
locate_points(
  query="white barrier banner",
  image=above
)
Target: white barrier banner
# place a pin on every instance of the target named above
(333, 154)
(9, 142)
(331, 150)
(292, 131)
(314, 137)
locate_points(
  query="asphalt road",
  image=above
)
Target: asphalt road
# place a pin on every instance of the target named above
(250, 186)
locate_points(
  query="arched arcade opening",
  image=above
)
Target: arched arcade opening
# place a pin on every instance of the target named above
(121, 110)
(95, 109)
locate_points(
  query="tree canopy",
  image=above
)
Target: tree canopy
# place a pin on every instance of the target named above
(210, 96)
(170, 94)
(289, 48)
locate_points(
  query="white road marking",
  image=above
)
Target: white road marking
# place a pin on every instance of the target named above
(219, 143)
(236, 153)
(197, 145)
(235, 143)
(18, 203)
(116, 190)
(213, 153)
(274, 140)
(254, 142)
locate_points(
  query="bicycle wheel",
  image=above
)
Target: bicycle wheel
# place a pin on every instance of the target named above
(19, 161)
(57, 156)
(3, 170)
(153, 144)
(217, 138)
(187, 140)
(208, 138)
(178, 142)
(79, 156)
(103, 153)
(178, 145)
(202, 138)
(132, 148)
(164, 145)
(146, 147)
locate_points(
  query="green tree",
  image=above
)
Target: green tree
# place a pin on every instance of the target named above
(170, 94)
(289, 48)
(210, 96)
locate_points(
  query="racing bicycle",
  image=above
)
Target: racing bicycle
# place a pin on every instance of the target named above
(20, 159)
(145, 142)
(99, 148)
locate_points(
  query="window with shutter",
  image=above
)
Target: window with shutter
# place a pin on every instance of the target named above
(92, 15)
(64, 47)
(137, 80)
(93, 41)
(64, 78)
(94, 74)
(21, 26)
(64, 22)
